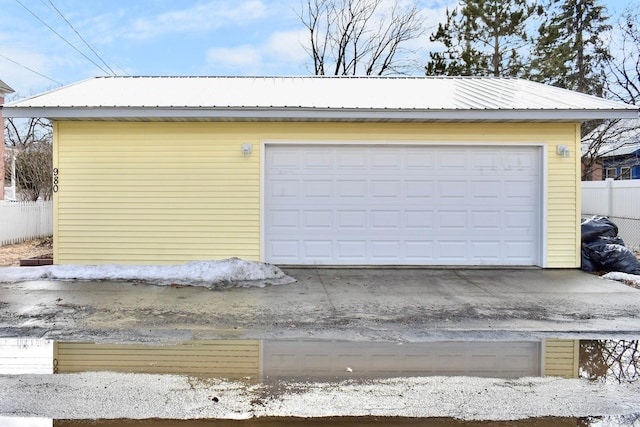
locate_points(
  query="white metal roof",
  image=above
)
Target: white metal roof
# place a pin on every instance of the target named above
(316, 98)
(5, 88)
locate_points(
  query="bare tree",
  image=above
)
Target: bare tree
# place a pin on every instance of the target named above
(625, 71)
(610, 360)
(30, 143)
(366, 37)
(623, 85)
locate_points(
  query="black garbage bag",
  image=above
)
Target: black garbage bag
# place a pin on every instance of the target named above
(597, 227)
(606, 255)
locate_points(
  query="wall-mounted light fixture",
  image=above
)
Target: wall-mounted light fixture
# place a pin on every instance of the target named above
(247, 149)
(563, 150)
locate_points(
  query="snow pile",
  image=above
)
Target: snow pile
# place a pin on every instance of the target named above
(634, 279)
(232, 272)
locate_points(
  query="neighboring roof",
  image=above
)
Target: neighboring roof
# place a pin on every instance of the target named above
(623, 151)
(622, 137)
(316, 98)
(5, 88)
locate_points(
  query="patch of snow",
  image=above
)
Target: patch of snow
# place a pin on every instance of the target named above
(623, 277)
(232, 272)
(94, 395)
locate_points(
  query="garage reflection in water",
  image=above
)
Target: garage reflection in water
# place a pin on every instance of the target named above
(611, 361)
(601, 360)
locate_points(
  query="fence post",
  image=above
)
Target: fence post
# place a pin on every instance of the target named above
(609, 189)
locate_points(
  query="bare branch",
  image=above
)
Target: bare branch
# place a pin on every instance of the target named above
(360, 36)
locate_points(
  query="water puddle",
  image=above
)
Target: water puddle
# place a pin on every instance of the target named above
(610, 360)
(263, 360)
(617, 421)
(259, 362)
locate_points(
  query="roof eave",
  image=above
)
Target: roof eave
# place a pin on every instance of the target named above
(313, 114)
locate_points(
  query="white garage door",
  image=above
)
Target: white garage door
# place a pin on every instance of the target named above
(402, 205)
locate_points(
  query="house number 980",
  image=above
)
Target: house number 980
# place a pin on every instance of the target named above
(55, 180)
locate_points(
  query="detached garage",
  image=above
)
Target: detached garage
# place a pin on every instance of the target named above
(317, 170)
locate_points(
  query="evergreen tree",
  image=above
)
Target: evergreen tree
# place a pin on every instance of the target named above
(569, 51)
(482, 37)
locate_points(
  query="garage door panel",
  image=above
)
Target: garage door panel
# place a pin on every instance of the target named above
(486, 251)
(453, 190)
(487, 221)
(419, 160)
(351, 160)
(286, 159)
(318, 249)
(286, 250)
(523, 221)
(386, 250)
(369, 207)
(486, 191)
(314, 189)
(319, 160)
(318, 220)
(419, 220)
(450, 221)
(387, 160)
(419, 191)
(284, 188)
(352, 250)
(389, 190)
(282, 220)
(451, 160)
(419, 251)
(386, 220)
(518, 189)
(521, 162)
(348, 220)
(349, 189)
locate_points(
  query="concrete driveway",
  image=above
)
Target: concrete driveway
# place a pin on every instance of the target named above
(381, 304)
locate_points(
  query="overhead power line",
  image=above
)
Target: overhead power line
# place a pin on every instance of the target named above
(64, 39)
(30, 69)
(82, 38)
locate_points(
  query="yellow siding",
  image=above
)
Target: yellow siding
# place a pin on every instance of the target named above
(561, 358)
(229, 359)
(155, 193)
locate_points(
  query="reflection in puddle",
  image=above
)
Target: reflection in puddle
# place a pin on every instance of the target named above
(610, 360)
(26, 356)
(261, 360)
(25, 422)
(276, 360)
(618, 421)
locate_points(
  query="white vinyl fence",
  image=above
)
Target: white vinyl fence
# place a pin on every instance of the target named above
(618, 200)
(20, 221)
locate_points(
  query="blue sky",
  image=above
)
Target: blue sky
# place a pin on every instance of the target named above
(164, 37)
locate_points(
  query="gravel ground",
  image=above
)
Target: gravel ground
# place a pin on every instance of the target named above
(10, 255)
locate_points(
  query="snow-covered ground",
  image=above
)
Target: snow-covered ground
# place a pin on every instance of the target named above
(115, 395)
(232, 272)
(623, 277)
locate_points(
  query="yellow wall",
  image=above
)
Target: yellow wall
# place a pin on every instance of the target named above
(173, 192)
(561, 358)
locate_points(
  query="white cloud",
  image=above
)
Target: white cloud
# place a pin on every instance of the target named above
(247, 57)
(22, 80)
(287, 46)
(282, 50)
(199, 18)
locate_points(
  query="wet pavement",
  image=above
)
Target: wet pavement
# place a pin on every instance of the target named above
(409, 305)
(340, 347)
